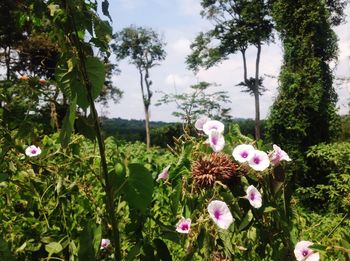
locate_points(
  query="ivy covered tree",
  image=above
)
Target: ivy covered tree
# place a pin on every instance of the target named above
(238, 24)
(304, 113)
(145, 49)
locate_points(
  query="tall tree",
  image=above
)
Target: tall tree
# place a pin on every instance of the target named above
(145, 49)
(238, 24)
(304, 112)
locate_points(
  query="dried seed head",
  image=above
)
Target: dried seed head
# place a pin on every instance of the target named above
(214, 167)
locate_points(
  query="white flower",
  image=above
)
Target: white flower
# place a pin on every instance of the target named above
(302, 252)
(254, 196)
(220, 214)
(32, 151)
(164, 174)
(183, 226)
(216, 140)
(243, 152)
(260, 161)
(200, 122)
(278, 155)
(105, 243)
(213, 125)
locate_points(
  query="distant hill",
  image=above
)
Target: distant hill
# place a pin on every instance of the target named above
(162, 133)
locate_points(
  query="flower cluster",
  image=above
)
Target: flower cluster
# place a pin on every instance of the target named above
(219, 167)
(214, 130)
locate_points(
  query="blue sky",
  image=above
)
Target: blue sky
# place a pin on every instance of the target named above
(179, 21)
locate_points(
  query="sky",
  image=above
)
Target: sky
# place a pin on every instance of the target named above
(179, 22)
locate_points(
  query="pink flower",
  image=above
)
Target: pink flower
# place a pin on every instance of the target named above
(32, 151)
(183, 226)
(216, 140)
(254, 196)
(260, 161)
(278, 155)
(200, 122)
(243, 152)
(213, 125)
(220, 214)
(302, 252)
(164, 174)
(105, 243)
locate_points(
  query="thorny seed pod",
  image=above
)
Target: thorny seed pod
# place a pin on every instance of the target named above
(214, 167)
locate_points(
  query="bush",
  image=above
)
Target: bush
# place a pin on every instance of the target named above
(331, 179)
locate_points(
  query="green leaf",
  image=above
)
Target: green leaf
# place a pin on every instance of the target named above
(89, 241)
(3, 177)
(139, 187)
(53, 248)
(162, 250)
(5, 253)
(85, 126)
(117, 177)
(269, 209)
(96, 74)
(318, 247)
(68, 123)
(246, 220)
(134, 252)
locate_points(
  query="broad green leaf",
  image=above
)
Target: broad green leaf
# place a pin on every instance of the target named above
(89, 241)
(5, 253)
(117, 177)
(175, 197)
(53, 248)
(96, 73)
(68, 123)
(139, 187)
(3, 177)
(133, 253)
(162, 250)
(246, 220)
(85, 126)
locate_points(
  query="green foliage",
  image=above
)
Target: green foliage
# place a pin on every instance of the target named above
(330, 178)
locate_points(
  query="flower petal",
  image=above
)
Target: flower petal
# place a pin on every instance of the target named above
(220, 214)
(200, 122)
(254, 197)
(164, 174)
(213, 125)
(260, 161)
(183, 226)
(243, 152)
(303, 252)
(32, 151)
(216, 140)
(278, 155)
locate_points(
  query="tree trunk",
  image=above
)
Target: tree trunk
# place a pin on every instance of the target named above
(148, 132)
(256, 95)
(7, 62)
(145, 101)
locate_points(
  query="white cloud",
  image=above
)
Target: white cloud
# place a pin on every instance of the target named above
(189, 7)
(176, 80)
(129, 4)
(181, 47)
